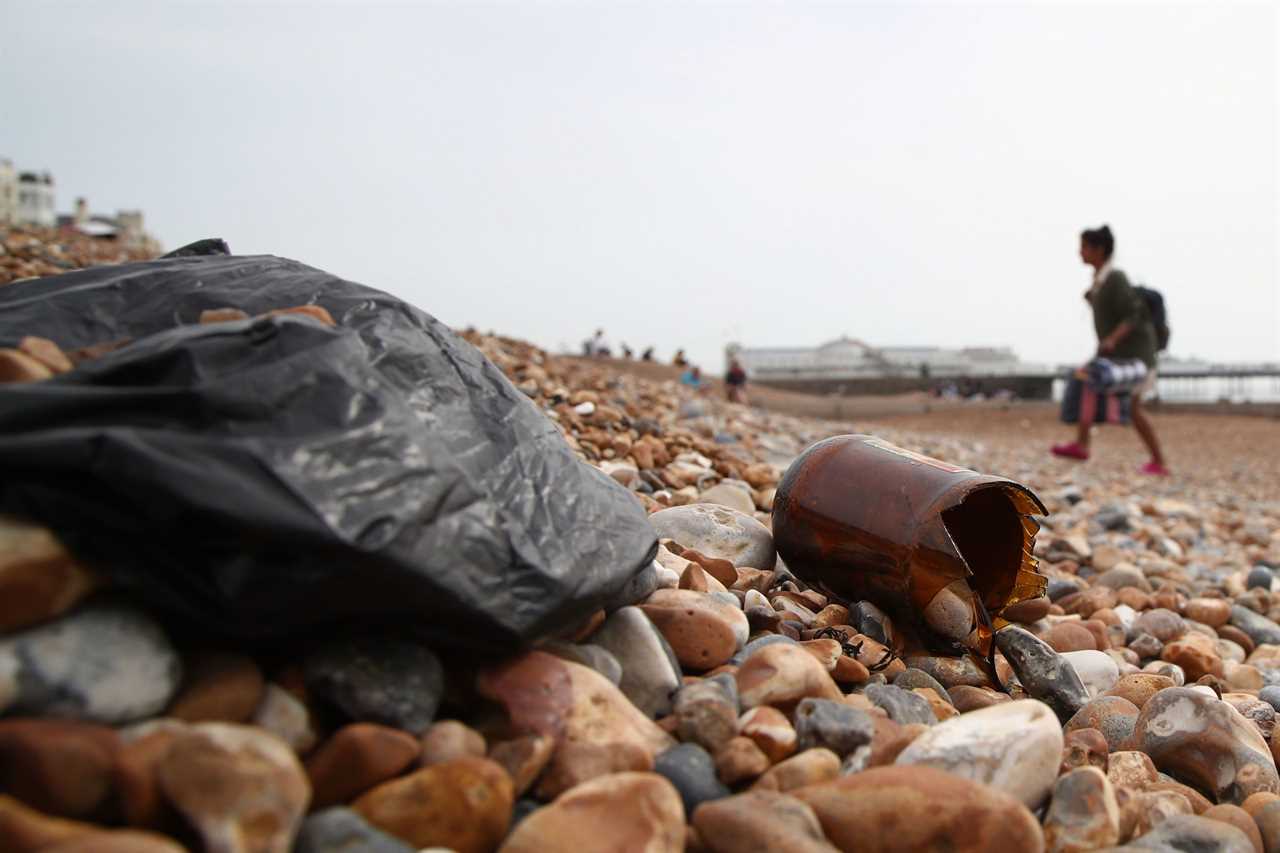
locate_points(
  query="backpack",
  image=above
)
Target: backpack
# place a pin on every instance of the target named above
(1155, 307)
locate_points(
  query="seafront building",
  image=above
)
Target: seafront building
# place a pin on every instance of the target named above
(8, 192)
(848, 358)
(36, 200)
(29, 199)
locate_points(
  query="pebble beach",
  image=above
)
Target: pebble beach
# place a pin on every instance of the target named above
(722, 703)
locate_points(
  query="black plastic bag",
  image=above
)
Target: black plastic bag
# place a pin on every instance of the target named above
(258, 477)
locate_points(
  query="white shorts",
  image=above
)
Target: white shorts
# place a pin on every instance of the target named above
(1146, 389)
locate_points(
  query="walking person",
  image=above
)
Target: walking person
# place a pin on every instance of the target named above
(1125, 333)
(735, 382)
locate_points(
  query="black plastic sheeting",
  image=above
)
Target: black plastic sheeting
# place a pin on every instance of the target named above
(260, 477)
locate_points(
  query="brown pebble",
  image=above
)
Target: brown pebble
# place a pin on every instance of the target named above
(807, 768)
(218, 687)
(16, 366)
(60, 767)
(450, 739)
(221, 315)
(46, 352)
(524, 758)
(1084, 748)
(464, 804)
(740, 760)
(1239, 818)
(358, 757)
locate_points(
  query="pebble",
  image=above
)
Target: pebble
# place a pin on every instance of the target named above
(137, 776)
(741, 760)
(760, 820)
(450, 739)
(573, 763)
(1214, 612)
(1097, 670)
(1164, 625)
(718, 532)
(1029, 611)
(1192, 832)
(1271, 695)
(464, 804)
(1205, 741)
(706, 713)
(733, 497)
(39, 579)
(899, 809)
(572, 703)
(770, 730)
(1240, 819)
(104, 663)
(833, 725)
(340, 830)
(805, 768)
(650, 670)
(1131, 769)
(950, 672)
(1257, 627)
(966, 698)
(909, 679)
(241, 789)
(1267, 817)
(524, 758)
(281, 714)
(587, 654)
(1014, 747)
(1070, 637)
(1083, 813)
(703, 631)
(902, 706)
(61, 767)
(218, 687)
(633, 811)
(782, 675)
(1083, 748)
(1113, 716)
(692, 771)
(1044, 674)
(379, 679)
(1260, 577)
(355, 758)
(1138, 687)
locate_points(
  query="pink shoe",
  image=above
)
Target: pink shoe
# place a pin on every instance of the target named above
(1155, 469)
(1070, 451)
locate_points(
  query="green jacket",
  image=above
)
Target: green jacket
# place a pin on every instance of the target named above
(1115, 302)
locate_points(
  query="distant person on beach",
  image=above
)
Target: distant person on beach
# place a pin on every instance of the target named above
(598, 345)
(626, 351)
(735, 382)
(679, 360)
(692, 377)
(647, 355)
(1125, 333)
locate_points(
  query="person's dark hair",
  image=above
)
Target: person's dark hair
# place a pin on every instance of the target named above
(1100, 238)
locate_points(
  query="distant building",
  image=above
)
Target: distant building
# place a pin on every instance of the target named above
(847, 358)
(36, 200)
(8, 192)
(126, 226)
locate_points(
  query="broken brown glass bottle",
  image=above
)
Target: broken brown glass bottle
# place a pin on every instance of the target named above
(942, 548)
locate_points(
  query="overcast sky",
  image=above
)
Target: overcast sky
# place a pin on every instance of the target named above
(775, 174)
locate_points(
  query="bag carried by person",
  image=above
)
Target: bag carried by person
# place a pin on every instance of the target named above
(1160, 319)
(1101, 391)
(1106, 375)
(1106, 407)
